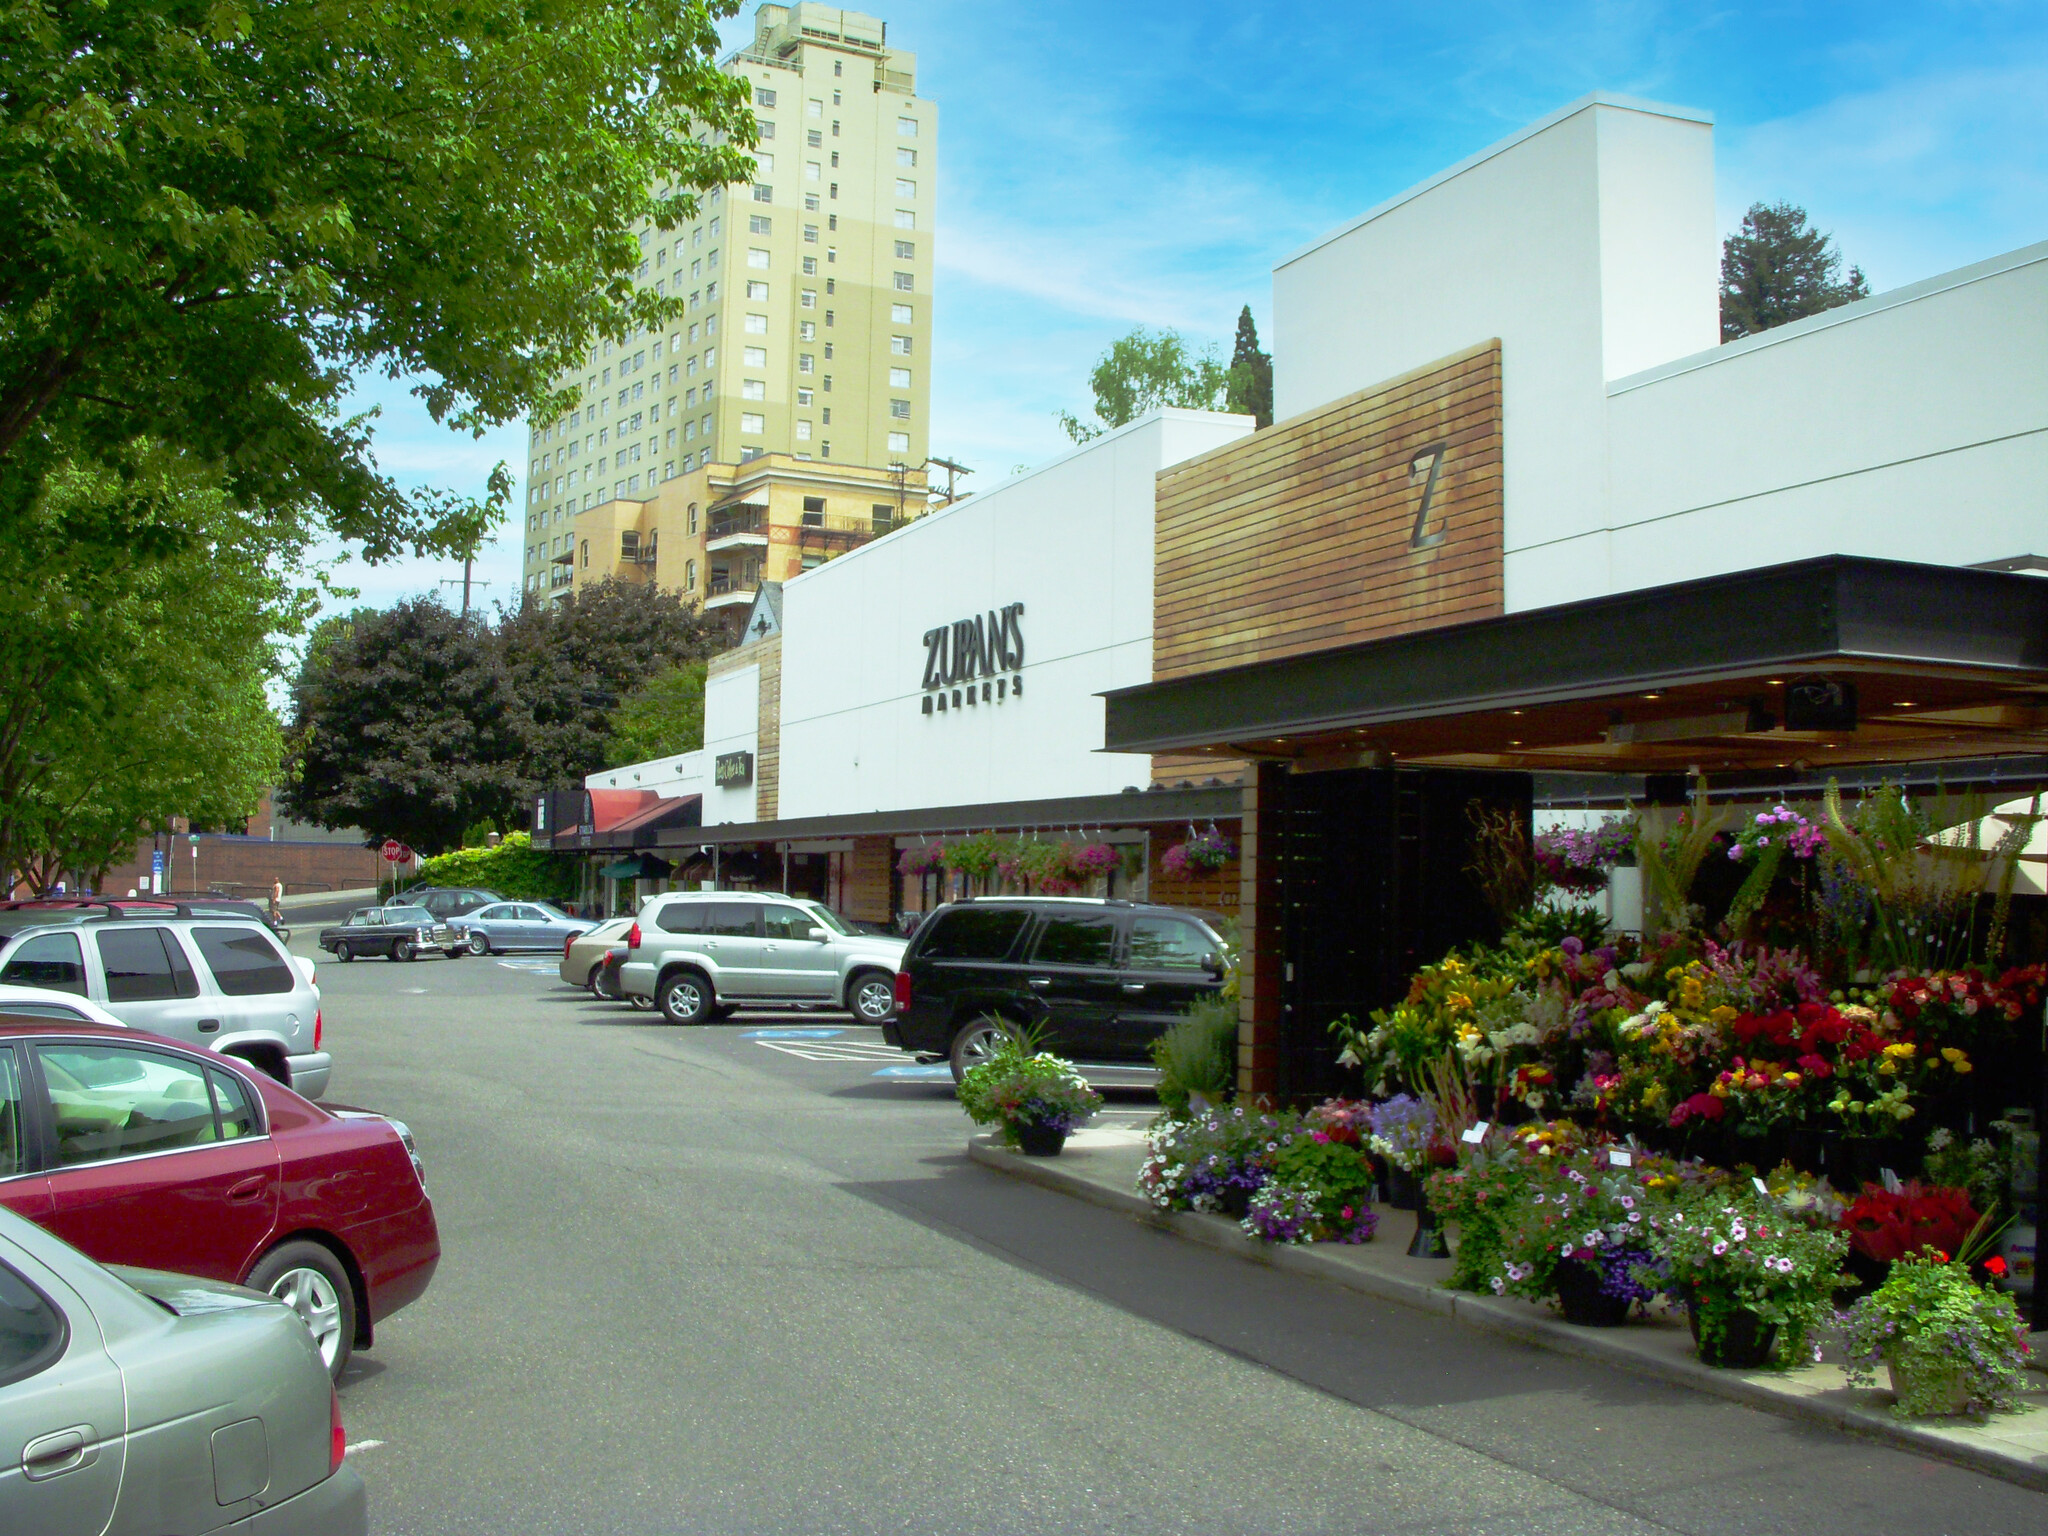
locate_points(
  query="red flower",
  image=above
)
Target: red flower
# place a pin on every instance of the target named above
(1994, 1266)
(1815, 1067)
(1703, 1105)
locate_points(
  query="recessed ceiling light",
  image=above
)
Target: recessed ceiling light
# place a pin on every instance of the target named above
(1515, 743)
(1902, 703)
(1653, 695)
(1774, 682)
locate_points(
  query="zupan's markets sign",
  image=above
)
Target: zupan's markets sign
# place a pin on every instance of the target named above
(971, 662)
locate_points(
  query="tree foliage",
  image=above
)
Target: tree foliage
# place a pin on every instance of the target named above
(663, 716)
(137, 616)
(1777, 268)
(1248, 390)
(1142, 372)
(216, 216)
(515, 869)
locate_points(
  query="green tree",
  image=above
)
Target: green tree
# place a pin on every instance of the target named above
(1143, 371)
(215, 216)
(1249, 390)
(137, 621)
(661, 717)
(1778, 268)
(572, 662)
(404, 723)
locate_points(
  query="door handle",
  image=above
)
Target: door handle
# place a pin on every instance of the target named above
(1134, 986)
(208, 1026)
(1038, 981)
(53, 1455)
(248, 1189)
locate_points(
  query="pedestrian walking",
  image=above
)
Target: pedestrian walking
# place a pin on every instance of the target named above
(277, 901)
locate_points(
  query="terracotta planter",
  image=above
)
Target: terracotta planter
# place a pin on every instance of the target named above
(1584, 1303)
(1954, 1400)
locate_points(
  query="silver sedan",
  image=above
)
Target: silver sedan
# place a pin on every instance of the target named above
(514, 925)
(140, 1399)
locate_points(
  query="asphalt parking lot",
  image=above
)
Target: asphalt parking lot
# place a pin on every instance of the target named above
(743, 1279)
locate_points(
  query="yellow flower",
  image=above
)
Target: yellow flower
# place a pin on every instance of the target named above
(1791, 1079)
(1902, 1048)
(1888, 1067)
(1724, 1014)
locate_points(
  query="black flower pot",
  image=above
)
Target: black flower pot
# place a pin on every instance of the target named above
(1037, 1139)
(1744, 1344)
(1236, 1201)
(1429, 1241)
(1584, 1302)
(1404, 1190)
(1865, 1274)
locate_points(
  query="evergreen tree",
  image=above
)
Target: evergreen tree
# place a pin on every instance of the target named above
(1777, 268)
(1250, 388)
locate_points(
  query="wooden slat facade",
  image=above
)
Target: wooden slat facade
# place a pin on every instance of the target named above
(1299, 538)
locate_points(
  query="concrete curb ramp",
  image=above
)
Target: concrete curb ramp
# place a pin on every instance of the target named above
(1103, 1171)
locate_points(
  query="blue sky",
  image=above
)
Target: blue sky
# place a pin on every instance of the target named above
(1105, 166)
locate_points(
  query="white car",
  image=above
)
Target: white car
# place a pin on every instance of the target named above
(221, 984)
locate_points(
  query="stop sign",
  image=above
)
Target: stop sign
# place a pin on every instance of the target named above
(393, 850)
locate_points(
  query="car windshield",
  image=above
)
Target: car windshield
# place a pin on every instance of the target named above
(407, 915)
(828, 917)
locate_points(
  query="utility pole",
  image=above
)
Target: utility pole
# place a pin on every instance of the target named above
(468, 565)
(951, 470)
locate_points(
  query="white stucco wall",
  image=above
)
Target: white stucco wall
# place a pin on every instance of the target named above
(732, 702)
(1072, 541)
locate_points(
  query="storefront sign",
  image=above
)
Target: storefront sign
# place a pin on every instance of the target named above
(976, 661)
(733, 770)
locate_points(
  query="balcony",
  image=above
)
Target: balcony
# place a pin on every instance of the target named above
(825, 535)
(738, 526)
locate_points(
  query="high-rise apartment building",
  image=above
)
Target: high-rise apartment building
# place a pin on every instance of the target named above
(807, 327)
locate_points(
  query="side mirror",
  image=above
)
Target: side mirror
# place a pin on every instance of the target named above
(818, 935)
(1213, 964)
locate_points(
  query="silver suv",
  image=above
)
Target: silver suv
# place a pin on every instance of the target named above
(215, 983)
(699, 955)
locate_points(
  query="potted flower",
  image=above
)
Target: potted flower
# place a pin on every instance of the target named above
(1405, 1133)
(1320, 1192)
(1756, 1282)
(1214, 1161)
(1585, 1233)
(924, 859)
(1202, 853)
(1949, 1344)
(1036, 1098)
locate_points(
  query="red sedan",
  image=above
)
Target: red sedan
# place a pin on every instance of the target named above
(139, 1151)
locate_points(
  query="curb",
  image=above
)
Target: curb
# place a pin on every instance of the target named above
(1524, 1323)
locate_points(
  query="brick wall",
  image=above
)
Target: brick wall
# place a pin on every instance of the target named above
(248, 865)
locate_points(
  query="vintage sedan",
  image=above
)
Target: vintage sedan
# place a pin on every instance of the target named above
(513, 925)
(138, 1150)
(398, 933)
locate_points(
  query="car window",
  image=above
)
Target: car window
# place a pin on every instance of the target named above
(110, 1101)
(47, 1011)
(144, 965)
(492, 914)
(532, 915)
(362, 919)
(1168, 944)
(11, 1133)
(780, 922)
(685, 917)
(735, 919)
(51, 960)
(231, 1097)
(32, 1330)
(1083, 939)
(407, 915)
(971, 933)
(244, 961)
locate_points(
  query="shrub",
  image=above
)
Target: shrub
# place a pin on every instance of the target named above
(1198, 1055)
(515, 869)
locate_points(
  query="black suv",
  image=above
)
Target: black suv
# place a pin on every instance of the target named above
(1103, 978)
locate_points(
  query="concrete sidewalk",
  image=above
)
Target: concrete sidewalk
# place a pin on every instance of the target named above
(1101, 1167)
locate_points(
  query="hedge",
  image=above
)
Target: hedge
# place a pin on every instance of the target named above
(515, 869)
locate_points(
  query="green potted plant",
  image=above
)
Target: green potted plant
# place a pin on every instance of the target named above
(1584, 1232)
(1037, 1099)
(1949, 1344)
(1756, 1282)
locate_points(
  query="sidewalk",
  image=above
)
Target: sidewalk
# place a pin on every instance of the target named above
(367, 896)
(1101, 1167)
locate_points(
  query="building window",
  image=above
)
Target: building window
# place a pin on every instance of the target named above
(803, 431)
(825, 450)
(754, 357)
(900, 409)
(813, 171)
(810, 235)
(899, 442)
(763, 96)
(905, 155)
(752, 424)
(764, 162)
(906, 250)
(905, 219)
(760, 224)
(904, 282)
(767, 194)
(828, 345)
(808, 299)
(757, 325)
(810, 266)
(900, 345)
(899, 378)
(806, 330)
(758, 291)
(693, 517)
(586, 554)
(806, 362)
(757, 258)
(906, 127)
(815, 107)
(899, 314)
(828, 388)
(767, 128)
(905, 188)
(753, 389)
(690, 575)
(748, 455)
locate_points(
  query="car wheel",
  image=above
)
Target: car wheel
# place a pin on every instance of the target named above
(343, 953)
(310, 1280)
(642, 1003)
(403, 951)
(685, 998)
(478, 944)
(601, 989)
(872, 997)
(975, 1043)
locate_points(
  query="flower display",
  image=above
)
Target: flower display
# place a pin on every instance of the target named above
(1201, 1163)
(1404, 1132)
(1737, 1253)
(1201, 853)
(1578, 1208)
(1018, 1086)
(1885, 1225)
(1951, 1345)
(1579, 859)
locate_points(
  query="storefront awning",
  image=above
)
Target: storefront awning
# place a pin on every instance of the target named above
(1134, 808)
(1801, 667)
(642, 866)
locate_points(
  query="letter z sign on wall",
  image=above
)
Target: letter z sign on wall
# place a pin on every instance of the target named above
(975, 661)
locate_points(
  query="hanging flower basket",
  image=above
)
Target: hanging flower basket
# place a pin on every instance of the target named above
(925, 859)
(1203, 853)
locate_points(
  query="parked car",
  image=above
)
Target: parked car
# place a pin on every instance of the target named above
(583, 954)
(1103, 979)
(31, 911)
(604, 981)
(397, 933)
(446, 901)
(505, 926)
(42, 1003)
(223, 985)
(139, 1150)
(137, 1401)
(699, 954)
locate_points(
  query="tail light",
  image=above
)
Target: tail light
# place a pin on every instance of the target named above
(317, 1026)
(903, 991)
(633, 937)
(337, 1437)
(566, 943)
